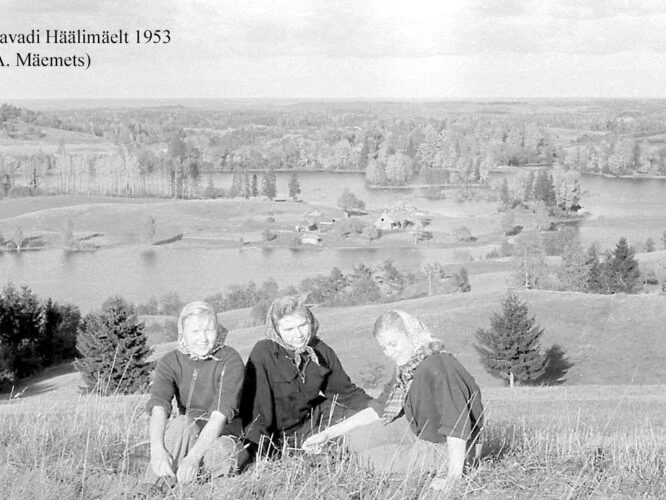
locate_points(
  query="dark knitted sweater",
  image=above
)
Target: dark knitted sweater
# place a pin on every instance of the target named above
(199, 386)
(277, 398)
(443, 400)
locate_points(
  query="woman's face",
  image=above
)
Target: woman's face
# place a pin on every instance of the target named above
(396, 345)
(199, 333)
(294, 330)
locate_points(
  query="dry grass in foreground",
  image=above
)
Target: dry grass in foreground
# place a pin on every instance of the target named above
(566, 442)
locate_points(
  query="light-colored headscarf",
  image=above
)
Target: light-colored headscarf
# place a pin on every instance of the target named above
(285, 306)
(199, 308)
(424, 344)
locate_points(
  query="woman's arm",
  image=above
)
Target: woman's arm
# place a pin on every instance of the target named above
(340, 386)
(457, 449)
(188, 468)
(160, 459)
(257, 399)
(363, 417)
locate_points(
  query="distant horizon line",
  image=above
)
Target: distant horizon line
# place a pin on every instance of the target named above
(56, 101)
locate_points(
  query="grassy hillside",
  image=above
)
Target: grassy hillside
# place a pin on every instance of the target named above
(556, 442)
(573, 441)
(611, 339)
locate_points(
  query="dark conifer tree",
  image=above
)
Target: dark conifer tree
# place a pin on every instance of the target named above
(268, 185)
(462, 279)
(294, 186)
(595, 277)
(247, 189)
(254, 186)
(113, 349)
(510, 348)
(622, 272)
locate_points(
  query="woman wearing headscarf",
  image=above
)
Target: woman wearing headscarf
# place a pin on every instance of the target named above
(294, 382)
(205, 378)
(428, 416)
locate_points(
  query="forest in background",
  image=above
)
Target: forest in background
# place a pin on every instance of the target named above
(167, 151)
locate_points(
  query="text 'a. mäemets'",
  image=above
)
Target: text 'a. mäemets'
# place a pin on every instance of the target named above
(78, 36)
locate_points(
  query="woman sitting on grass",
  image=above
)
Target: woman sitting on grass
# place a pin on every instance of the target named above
(426, 418)
(205, 377)
(294, 382)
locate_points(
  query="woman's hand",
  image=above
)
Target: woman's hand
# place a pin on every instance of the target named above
(443, 484)
(314, 443)
(187, 470)
(161, 462)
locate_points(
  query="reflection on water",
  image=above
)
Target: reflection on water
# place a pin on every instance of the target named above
(149, 257)
(617, 207)
(88, 278)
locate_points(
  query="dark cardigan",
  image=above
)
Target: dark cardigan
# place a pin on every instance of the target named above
(278, 399)
(199, 386)
(443, 400)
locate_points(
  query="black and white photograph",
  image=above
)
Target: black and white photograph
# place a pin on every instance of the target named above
(358, 249)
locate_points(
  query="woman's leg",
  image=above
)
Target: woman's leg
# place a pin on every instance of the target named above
(180, 435)
(394, 448)
(225, 456)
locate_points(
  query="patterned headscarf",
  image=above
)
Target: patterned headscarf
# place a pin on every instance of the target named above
(199, 309)
(424, 344)
(285, 306)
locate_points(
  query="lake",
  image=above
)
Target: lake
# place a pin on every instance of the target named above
(635, 209)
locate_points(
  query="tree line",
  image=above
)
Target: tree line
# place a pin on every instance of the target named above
(34, 333)
(363, 285)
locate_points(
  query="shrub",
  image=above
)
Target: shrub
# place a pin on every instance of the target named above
(349, 201)
(462, 281)
(463, 233)
(493, 254)
(268, 235)
(113, 349)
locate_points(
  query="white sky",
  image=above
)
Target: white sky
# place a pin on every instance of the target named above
(349, 49)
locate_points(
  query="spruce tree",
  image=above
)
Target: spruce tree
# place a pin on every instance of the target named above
(113, 350)
(622, 272)
(510, 348)
(247, 190)
(528, 187)
(574, 273)
(268, 185)
(294, 186)
(254, 186)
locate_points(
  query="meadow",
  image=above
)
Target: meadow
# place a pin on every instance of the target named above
(557, 442)
(569, 441)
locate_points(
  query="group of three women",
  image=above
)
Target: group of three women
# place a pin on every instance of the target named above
(294, 392)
